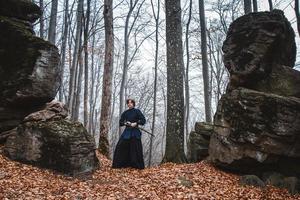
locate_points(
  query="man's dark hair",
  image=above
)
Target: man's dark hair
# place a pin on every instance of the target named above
(133, 102)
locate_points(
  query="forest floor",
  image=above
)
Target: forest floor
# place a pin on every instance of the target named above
(167, 181)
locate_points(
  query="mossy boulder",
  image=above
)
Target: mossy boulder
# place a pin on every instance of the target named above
(199, 141)
(251, 180)
(272, 178)
(278, 180)
(57, 144)
(257, 121)
(255, 131)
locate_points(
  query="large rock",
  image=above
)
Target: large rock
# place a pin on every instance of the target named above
(52, 110)
(20, 9)
(283, 81)
(28, 65)
(251, 180)
(256, 131)
(47, 139)
(29, 72)
(255, 44)
(272, 178)
(199, 141)
(257, 122)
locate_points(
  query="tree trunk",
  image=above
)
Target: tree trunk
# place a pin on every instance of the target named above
(205, 70)
(187, 87)
(76, 52)
(156, 17)
(255, 8)
(107, 78)
(78, 86)
(175, 97)
(270, 5)
(42, 23)
(297, 15)
(247, 6)
(52, 24)
(63, 47)
(125, 64)
(86, 65)
(91, 100)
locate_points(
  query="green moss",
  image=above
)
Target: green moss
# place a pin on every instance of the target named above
(282, 81)
(59, 128)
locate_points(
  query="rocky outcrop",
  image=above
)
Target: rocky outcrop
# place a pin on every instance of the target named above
(199, 141)
(47, 139)
(52, 110)
(257, 122)
(20, 9)
(255, 130)
(260, 44)
(29, 73)
(37, 132)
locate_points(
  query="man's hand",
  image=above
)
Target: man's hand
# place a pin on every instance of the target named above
(127, 123)
(134, 124)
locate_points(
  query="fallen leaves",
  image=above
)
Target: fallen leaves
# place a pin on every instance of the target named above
(167, 181)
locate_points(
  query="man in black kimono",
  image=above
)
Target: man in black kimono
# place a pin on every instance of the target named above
(129, 150)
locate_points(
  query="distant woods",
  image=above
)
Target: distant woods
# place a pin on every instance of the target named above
(169, 61)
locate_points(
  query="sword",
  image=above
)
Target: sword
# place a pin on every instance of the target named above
(142, 129)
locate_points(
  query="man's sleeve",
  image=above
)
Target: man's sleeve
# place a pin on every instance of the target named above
(141, 118)
(122, 120)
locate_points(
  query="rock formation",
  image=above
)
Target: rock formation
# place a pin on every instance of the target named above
(29, 73)
(259, 53)
(36, 131)
(257, 122)
(199, 141)
(45, 138)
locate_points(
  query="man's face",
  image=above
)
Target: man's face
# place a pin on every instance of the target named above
(130, 104)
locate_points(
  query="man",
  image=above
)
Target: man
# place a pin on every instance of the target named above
(129, 150)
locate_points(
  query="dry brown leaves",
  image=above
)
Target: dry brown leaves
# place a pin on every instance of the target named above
(167, 181)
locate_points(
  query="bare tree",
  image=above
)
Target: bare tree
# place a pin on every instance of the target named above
(52, 25)
(91, 99)
(42, 19)
(156, 18)
(205, 70)
(297, 15)
(78, 84)
(255, 9)
(247, 6)
(76, 55)
(127, 31)
(86, 63)
(96, 55)
(63, 46)
(175, 106)
(218, 70)
(186, 77)
(107, 78)
(125, 65)
(270, 5)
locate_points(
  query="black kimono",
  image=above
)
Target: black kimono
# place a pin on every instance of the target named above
(129, 150)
